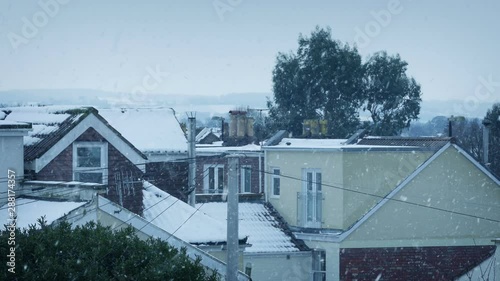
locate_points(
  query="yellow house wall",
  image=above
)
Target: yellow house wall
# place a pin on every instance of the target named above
(451, 182)
(279, 266)
(291, 164)
(366, 172)
(374, 172)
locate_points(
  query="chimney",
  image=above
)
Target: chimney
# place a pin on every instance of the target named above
(225, 131)
(241, 128)
(250, 123)
(486, 140)
(315, 128)
(233, 124)
(12, 157)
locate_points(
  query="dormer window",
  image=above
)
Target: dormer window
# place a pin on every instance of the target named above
(90, 162)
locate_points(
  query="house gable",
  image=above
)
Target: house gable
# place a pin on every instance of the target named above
(121, 174)
(374, 173)
(91, 121)
(448, 201)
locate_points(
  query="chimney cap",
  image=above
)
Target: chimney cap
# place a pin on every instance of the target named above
(14, 125)
(237, 112)
(487, 122)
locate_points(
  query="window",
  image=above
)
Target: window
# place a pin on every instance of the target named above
(276, 181)
(246, 179)
(213, 178)
(311, 198)
(319, 265)
(90, 161)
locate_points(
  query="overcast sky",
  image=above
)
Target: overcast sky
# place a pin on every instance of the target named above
(229, 46)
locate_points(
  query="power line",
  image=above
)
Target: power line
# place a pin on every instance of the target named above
(107, 177)
(382, 197)
(124, 222)
(5, 179)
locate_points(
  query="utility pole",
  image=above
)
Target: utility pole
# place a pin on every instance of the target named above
(486, 140)
(232, 219)
(192, 160)
(451, 120)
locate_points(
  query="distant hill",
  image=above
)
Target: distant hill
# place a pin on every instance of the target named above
(205, 106)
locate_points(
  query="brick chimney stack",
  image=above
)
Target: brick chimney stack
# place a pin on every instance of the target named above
(240, 129)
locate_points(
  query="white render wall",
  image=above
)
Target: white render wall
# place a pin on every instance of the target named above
(11, 158)
(279, 266)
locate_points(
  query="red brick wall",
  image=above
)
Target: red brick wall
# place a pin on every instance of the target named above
(253, 162)
(120, 167)
(419, 263)
(201, 161)
(61, 169)
(171, 177)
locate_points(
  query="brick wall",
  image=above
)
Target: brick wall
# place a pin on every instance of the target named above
(253, 162)
(120, 169)
(419, 263)
(171, 177)
(125, 175)
(59, 169)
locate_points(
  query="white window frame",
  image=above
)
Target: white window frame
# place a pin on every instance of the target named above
(243, 169)
(103, 169)
(316, 192)
(206, 179)
(274, 176)
(319, 265)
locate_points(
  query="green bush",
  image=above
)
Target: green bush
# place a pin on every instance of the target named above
(95, 252)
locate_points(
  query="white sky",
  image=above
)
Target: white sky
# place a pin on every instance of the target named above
(109, 45)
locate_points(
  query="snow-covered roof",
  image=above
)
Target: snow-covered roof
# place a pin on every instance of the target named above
(264, 232)
(28, 211)
(153, 231)
(434, 143)
(311, 143)
(148, 129)
(181, 219)
(336, 144)
(46, 121)
(203, 133)
(14, 125)
(217, 147)
(6, 122)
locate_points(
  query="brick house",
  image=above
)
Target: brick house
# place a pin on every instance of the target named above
(157, 134)
(78, 145)
(212, 165)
